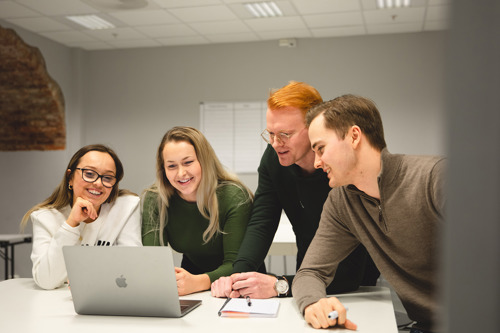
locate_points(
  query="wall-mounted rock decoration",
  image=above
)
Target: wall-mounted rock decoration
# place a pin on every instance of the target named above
(31, 102)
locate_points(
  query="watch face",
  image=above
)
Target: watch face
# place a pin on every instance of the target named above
(281, 286)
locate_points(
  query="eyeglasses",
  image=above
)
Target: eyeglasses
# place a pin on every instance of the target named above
(281, 137)
(90, 176)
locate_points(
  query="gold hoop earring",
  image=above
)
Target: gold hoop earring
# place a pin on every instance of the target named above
(70, 187)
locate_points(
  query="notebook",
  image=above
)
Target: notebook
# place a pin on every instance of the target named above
(124, 281)
(241, 307)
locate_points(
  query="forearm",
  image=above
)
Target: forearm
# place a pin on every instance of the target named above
(201, 282)
(258, 238)
(262, 225)
(330, 245)
(49, 270)
(235, 225)
(223, 270)
(307, 288)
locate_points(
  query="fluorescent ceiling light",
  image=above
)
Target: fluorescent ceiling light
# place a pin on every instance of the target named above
(92, 22)
(392, 3)
(263, 9)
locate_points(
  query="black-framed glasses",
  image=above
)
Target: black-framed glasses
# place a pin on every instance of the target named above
(90, 176)
(281, 137)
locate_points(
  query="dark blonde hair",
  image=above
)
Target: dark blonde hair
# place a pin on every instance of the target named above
(343, 112)
(295, 94)
(213, 176)
(63, 195)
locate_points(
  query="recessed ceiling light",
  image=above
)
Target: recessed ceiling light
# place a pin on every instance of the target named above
(92, 22)
(263, 9)
(392, 3)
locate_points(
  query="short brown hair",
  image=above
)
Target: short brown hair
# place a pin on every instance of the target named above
(295, 94)
(348, 110)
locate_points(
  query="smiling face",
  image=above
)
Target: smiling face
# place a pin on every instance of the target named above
(95, 192)
(334, 155)
(182, 168)
(297, 149)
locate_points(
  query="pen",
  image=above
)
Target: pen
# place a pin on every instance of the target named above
(334, 314)
(249, 302)
(223, 305)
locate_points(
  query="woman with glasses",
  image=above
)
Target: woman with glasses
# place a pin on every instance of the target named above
(87, 208)
(197, 208)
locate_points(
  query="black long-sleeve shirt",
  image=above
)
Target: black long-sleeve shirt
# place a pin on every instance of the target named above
(302, 198)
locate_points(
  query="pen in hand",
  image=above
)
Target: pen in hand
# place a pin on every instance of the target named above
(334, 314)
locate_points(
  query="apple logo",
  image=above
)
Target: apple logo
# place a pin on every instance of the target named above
(121, 281)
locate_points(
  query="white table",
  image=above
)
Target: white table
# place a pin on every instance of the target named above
(284, 244)
(7, 242)
(26, 308)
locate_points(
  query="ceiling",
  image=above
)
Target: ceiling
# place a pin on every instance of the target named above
(153, 23)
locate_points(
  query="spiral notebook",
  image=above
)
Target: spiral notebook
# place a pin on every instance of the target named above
(258, 308)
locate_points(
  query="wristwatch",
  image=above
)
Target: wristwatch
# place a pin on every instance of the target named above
(281, 286)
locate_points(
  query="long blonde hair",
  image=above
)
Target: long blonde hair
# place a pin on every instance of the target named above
(213, 177)
(63, 195)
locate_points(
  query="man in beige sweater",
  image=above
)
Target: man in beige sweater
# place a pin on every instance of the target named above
(392, 204)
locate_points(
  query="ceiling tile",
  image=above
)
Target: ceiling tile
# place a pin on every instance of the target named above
(39, 24)
(325, 6)
(134, 43)
(233, 38)
(68, 36)
(185, 22)
(194, 40)
(58, 7)
(300, 33)
(185, 3)
(203, 14)
(212, 28)
(334, 19)
(438, 13)
(394, 28)
(145, 17)
(95, 45)
(115, 34)
(398, 15)
(439, 2)
(276, 23)
(339, 31)
(120, 5)
(243, 1)
(436, 25)
(368, 4)
(171, 30)
(11, 10)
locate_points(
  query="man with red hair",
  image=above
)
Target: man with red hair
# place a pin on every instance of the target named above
(288, 181)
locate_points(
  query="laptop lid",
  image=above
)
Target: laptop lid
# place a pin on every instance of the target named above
(124, 281)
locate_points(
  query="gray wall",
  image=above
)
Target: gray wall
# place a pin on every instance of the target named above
(135, 96)
(129, 98)
(471, 260)
(29, 177)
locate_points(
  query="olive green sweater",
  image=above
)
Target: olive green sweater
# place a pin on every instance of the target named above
(185, 227)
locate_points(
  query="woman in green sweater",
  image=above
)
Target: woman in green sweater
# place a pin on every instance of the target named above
(196, 207)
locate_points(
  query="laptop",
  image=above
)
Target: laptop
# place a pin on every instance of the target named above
(124, 281)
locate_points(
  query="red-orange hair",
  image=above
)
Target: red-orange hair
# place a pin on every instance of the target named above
(295, 94)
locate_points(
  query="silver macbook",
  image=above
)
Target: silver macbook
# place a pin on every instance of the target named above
(124, 281)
